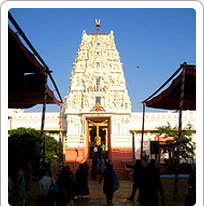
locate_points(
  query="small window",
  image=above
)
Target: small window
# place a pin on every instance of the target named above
(98, 100)
(98, 53)
(97, 44)
(97, 86)
(97, 80)
(97, 64)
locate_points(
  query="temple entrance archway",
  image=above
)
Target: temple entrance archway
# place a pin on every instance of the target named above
(98, 137)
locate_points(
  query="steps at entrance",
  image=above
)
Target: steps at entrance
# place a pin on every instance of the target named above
(119, 167)
(121, 173)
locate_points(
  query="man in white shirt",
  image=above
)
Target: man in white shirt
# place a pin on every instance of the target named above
(43, 188)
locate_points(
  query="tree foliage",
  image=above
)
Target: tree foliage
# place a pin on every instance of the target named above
(187, 146)
(23, 147)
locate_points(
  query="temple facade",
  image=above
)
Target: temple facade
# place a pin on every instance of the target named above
(97, 110)
(97, 106)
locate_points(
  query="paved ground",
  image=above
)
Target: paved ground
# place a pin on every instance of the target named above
(97, 197)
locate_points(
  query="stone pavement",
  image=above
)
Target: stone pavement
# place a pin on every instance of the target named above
(97, 197)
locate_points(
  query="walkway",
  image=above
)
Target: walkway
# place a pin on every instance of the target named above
(97, 198)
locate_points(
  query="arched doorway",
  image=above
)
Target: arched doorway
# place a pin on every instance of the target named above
(98, 137)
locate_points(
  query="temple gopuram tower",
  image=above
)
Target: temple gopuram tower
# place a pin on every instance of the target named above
(97, 105)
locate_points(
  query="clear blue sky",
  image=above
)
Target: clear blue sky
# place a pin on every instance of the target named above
(158, 40)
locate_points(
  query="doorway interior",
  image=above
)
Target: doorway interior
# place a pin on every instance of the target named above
(98, 137)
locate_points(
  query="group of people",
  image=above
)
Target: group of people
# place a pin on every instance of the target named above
(61, 192)
(147, 180)
(68, 185)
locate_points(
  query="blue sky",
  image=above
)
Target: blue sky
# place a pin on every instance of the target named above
(158, 40)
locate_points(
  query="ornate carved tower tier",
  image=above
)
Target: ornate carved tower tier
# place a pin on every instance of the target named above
(97, 94)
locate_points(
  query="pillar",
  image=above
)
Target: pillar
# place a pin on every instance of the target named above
(133, 148)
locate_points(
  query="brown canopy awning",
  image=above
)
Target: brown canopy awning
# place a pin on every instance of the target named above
(170, 98)
(180, 95)
(26, 76)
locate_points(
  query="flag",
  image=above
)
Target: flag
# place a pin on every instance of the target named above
(98, 22)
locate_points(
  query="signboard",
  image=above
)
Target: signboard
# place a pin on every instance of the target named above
(154, 147)
(164, 140)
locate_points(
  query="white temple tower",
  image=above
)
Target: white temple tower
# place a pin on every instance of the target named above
(97, 101)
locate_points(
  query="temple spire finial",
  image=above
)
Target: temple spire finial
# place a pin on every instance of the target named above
(97, 25)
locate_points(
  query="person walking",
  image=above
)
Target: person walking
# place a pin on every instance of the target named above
(82, 181)
(152, 185)
(65, 187)
(53, 190)
(190, 196)
(11, 190)
(20, 186)
(138, 178)
(108, 186)
(95, 151)
(94, 168)
(100, 165)
(86, 168)
(28, 176)
(43, 188)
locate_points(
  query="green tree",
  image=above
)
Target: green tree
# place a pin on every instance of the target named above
(187, 146)
(23, 147)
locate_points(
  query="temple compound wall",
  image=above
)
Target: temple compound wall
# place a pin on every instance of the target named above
(152, 121)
